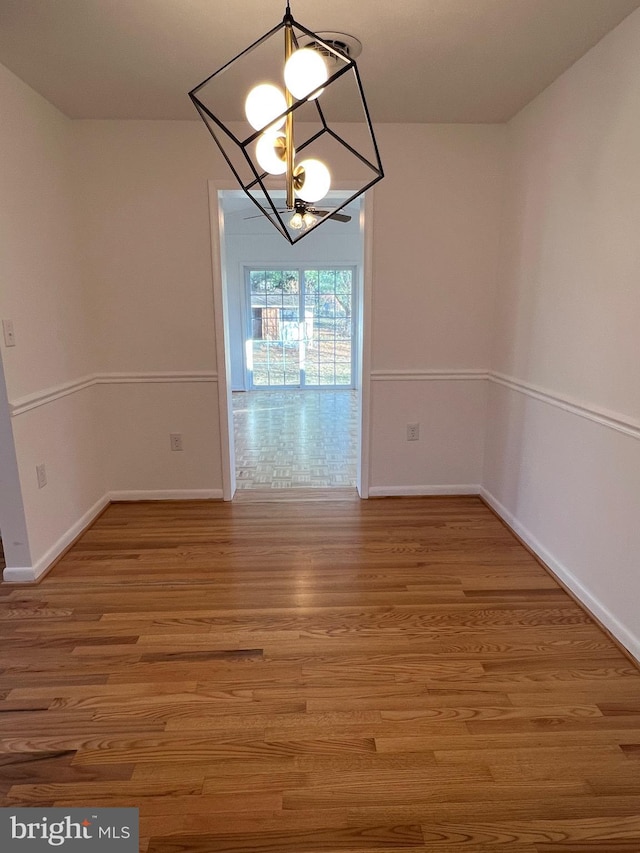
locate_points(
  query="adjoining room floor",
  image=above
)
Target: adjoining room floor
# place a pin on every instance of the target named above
(295, 439)
(396, 675)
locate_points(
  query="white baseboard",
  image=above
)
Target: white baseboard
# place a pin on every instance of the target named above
(19, 574)
(417, 491)
(167, 495)
(29, 574)
(595, 607)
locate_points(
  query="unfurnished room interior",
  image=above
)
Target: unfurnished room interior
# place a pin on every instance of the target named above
(319, 426)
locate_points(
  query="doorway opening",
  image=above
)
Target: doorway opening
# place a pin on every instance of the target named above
(293, 346)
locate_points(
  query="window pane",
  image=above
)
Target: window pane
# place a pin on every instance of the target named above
(314, 348)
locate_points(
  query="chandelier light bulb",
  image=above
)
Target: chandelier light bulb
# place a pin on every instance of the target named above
(309, 219)
(304, 72)
(296, 221)
(271, 152)
(265, 103)
(317, 180)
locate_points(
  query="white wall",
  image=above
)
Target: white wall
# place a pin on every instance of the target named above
(145, 233)
(44, 293)
(562, 455)
(435, 259)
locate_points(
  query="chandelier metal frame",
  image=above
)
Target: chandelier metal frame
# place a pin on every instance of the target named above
(239, 150)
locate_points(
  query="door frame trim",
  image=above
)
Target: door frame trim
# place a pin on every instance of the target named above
(221, 324)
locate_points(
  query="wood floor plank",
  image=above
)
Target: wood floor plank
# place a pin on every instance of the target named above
(321, 675)
(88, 791)
(340, 794)
(546, 808)
(382, 839)
(595, 829)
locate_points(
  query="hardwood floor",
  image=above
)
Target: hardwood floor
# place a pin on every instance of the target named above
(322, 676)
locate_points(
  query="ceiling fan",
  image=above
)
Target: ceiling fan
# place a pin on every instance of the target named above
(306, 215)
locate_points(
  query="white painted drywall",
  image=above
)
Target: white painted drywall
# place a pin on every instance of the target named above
(145, 233)
(42, 287)
(436, 247)
(146, 243)
(567, 325)
(140, 416)
(448, 457)
(45, 294)
(437, 217)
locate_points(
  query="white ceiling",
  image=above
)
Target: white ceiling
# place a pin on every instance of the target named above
(423, 60)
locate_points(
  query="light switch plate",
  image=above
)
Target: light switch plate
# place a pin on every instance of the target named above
(9, 334)
(41, 474)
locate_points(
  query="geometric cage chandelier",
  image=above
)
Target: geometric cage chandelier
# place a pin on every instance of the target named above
(285, 113)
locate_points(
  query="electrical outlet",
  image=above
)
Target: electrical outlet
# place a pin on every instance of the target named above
(9, 334)
(176, 440)
(41, 474)
(413, 432)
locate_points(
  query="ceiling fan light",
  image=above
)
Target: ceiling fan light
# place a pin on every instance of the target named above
(316, 180)
(304, 72)
(271, 152)
(265, 103)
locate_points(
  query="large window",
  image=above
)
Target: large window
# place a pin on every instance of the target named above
(301, 327)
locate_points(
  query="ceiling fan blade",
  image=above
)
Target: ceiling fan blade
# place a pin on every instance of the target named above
(258, 215)
(339, 217)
